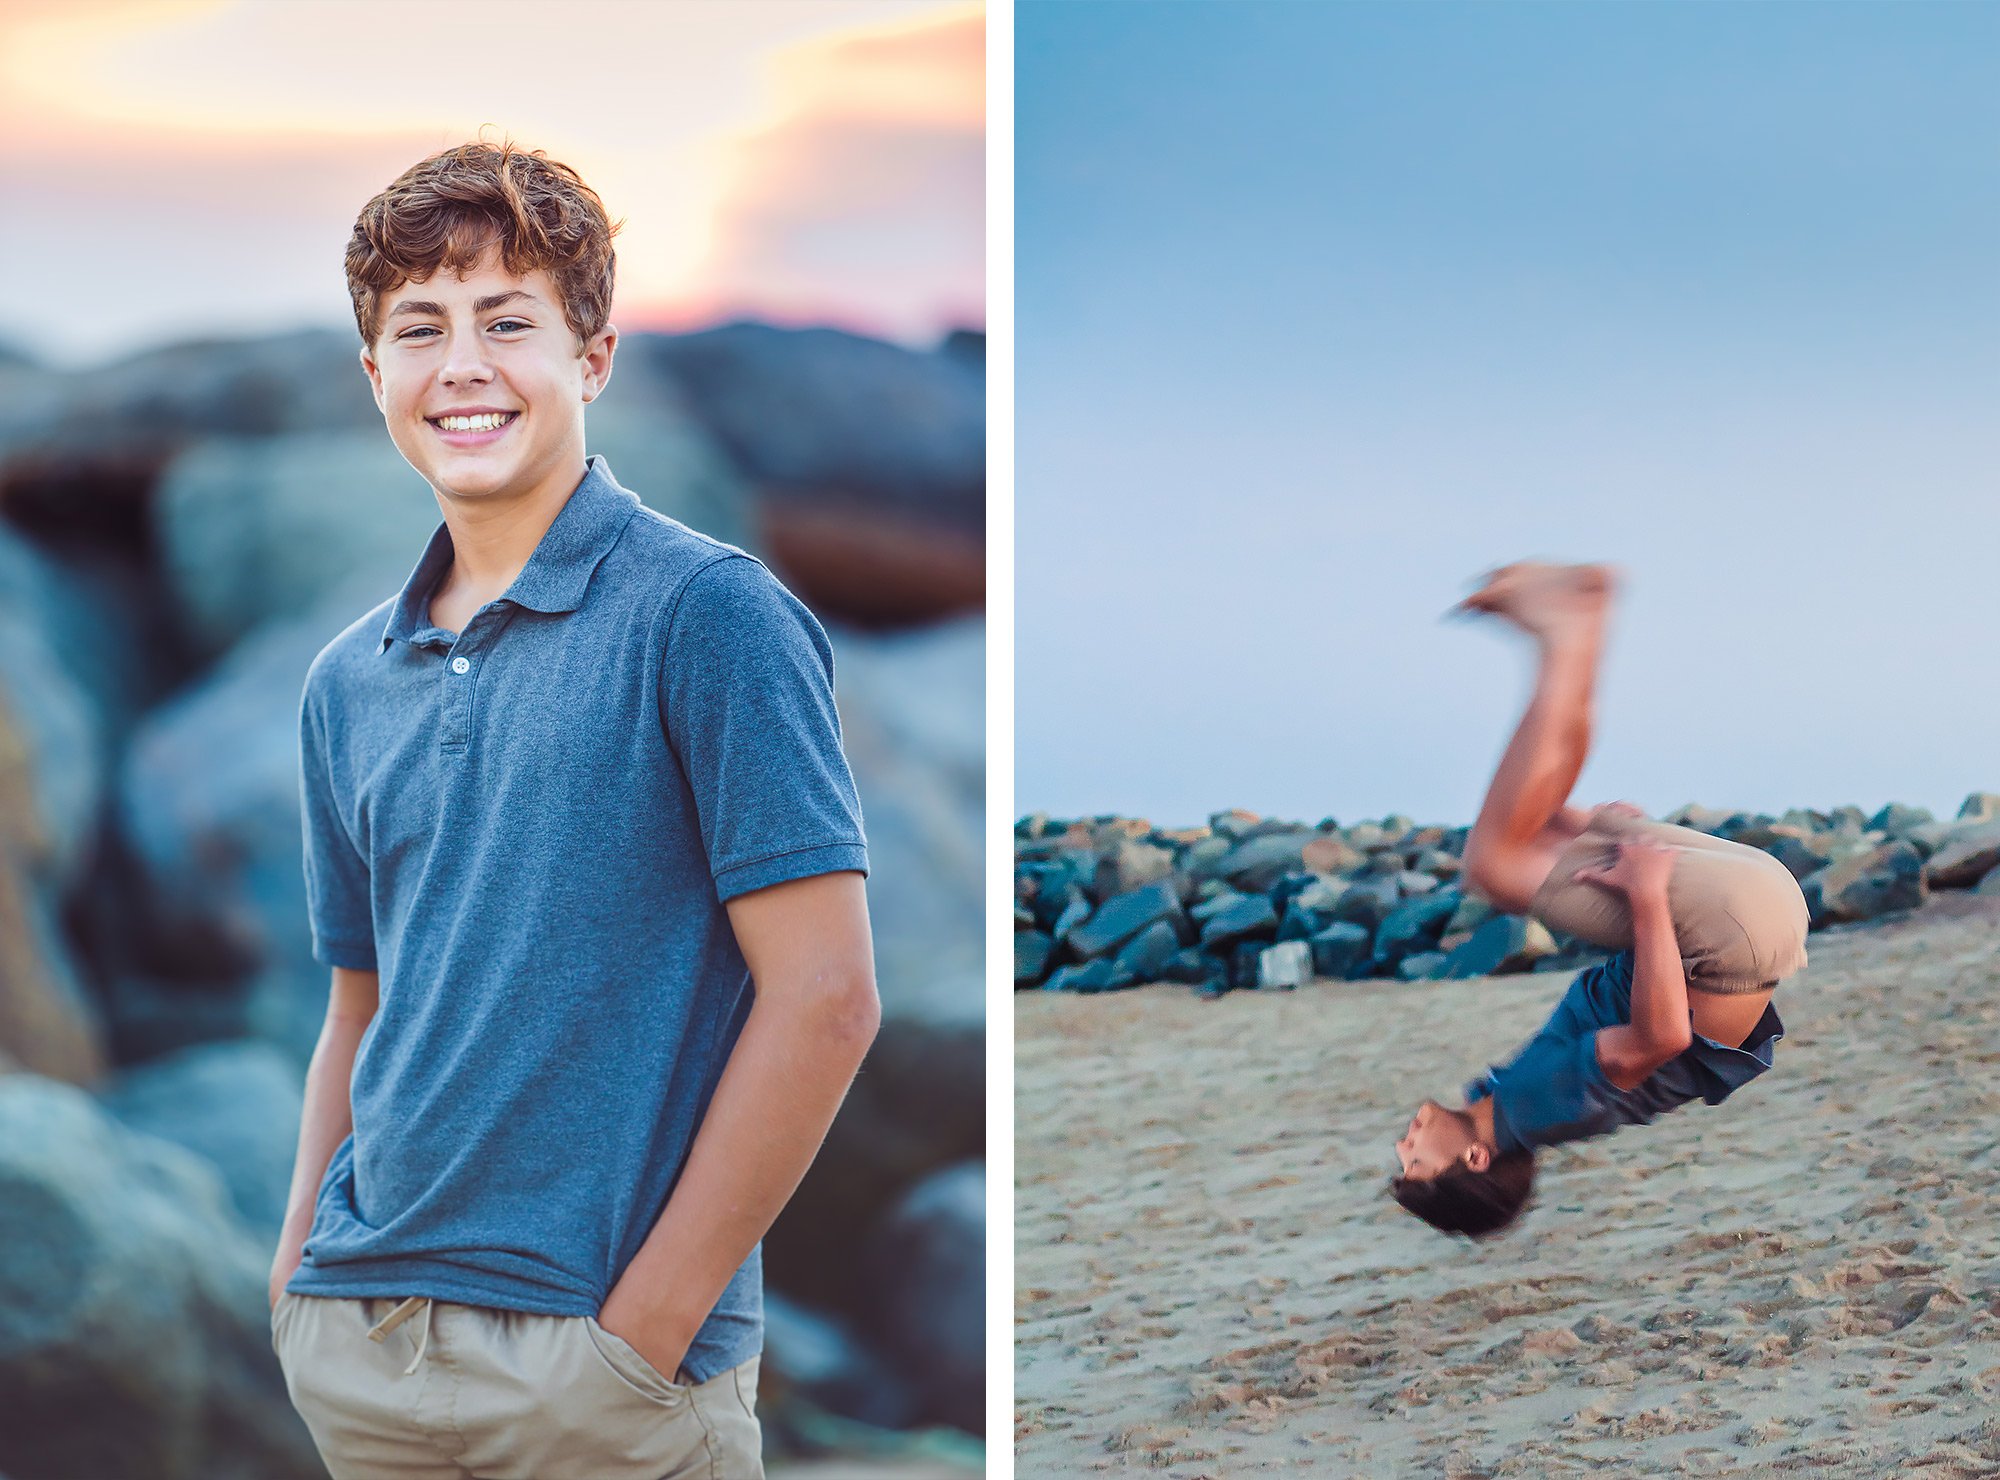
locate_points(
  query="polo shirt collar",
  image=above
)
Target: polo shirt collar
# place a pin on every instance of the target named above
(556, 575)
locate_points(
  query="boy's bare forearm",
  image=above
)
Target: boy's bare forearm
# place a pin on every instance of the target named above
(1659, 982)
(327, 1120)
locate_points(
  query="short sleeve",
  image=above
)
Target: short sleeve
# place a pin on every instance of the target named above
(337, 896)
(747, 704)
(1551, 1091)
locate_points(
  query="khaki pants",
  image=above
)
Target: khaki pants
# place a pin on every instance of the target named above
(452, 1391)
(1739, 917)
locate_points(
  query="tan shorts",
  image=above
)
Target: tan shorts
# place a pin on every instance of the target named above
(1738, 914)
(467, 1390)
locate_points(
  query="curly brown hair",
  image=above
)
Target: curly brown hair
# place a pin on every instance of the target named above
(449, 210)
(1477, 1204)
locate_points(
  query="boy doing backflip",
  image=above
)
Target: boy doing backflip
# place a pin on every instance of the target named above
(1703, 930)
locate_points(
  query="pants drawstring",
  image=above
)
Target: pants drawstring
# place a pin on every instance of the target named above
(380, 1331)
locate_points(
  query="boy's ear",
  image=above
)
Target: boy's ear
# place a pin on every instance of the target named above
(1477, 1158)
(596, 357)
(374, 374)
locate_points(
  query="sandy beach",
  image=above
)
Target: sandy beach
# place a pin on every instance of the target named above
(1211, 1279)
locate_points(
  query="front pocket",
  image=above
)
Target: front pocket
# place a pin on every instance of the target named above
(630, 1367)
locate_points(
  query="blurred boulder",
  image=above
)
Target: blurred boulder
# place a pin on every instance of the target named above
(1146, 955)
(868, 460)
(1503, 943)
(1423, 966)
(1031, 955)
(1866, 885)
(1120, 918)
(1895, 819)
(1980, 806)
(913, 723)
(1286, 964)
(928, 1258)
(237, 1105)
(1341, 951)
(52, 759)
(1240, 917)
(1414, 927)
(134, 1314)
(219, 846)
(819, 1357)
(1258, 863)
(1966, 856)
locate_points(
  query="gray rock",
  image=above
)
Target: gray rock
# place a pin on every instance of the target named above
(1120, 918)
(1882, 880)
(1075, 910)
(1895, 819)
(1367, 902)
(1285, 965)
(1131, 864)
(1472, 912)
(808, 411)
(1031, 955)
(1201, 861)
(1504, 943)
(1803, 855)
(1928, 837)
(1258, 863)
(1980, 806)
(1413, 927)
(929, 1265)
(128, 1281)
(1215, 903)
(236, 1104)
(1342, 951)
(1410, 884)
(1100, 975)
(1422, 967)
(1248, 915)
(1145, 956)
(52, 758)
(1966, 857)
(821, 1358)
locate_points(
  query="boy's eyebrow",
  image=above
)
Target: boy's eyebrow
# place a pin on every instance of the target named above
(479, 305)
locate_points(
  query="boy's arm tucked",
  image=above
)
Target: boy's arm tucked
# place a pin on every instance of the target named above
(1660, 1028)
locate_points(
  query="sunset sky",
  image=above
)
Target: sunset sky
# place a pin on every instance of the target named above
(181, 167)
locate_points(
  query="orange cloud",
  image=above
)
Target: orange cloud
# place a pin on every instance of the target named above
(870, 190)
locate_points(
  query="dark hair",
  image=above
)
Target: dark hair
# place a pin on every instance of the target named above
(1477, 1204)
(448, 210)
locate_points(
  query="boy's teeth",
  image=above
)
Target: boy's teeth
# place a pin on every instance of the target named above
(482, 423)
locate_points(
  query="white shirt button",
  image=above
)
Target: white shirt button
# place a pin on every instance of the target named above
(459, 665)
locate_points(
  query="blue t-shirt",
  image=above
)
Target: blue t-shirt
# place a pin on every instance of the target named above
(1554, 1090)
(529, 829)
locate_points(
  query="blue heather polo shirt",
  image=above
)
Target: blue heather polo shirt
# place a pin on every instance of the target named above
(1554, 1089)
(529, 828)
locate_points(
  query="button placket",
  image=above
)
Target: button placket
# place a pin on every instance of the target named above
(459, 674)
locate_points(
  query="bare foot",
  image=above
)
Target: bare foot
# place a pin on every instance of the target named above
(1550, 602)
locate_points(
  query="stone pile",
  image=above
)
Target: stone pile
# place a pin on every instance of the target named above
(1247, 902)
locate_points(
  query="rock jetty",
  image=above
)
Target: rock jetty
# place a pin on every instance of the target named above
(1257, 903)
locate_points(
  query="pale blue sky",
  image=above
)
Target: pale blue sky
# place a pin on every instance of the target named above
(1323, 309)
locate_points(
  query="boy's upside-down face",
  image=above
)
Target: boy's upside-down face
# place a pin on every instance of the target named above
(482, 381)
(1439, 1139)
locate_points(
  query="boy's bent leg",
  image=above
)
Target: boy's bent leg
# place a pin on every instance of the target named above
(543, 1397)
(372, 1415)
(1515, 840)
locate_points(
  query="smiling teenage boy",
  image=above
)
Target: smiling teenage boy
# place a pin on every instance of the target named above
(586, 861)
